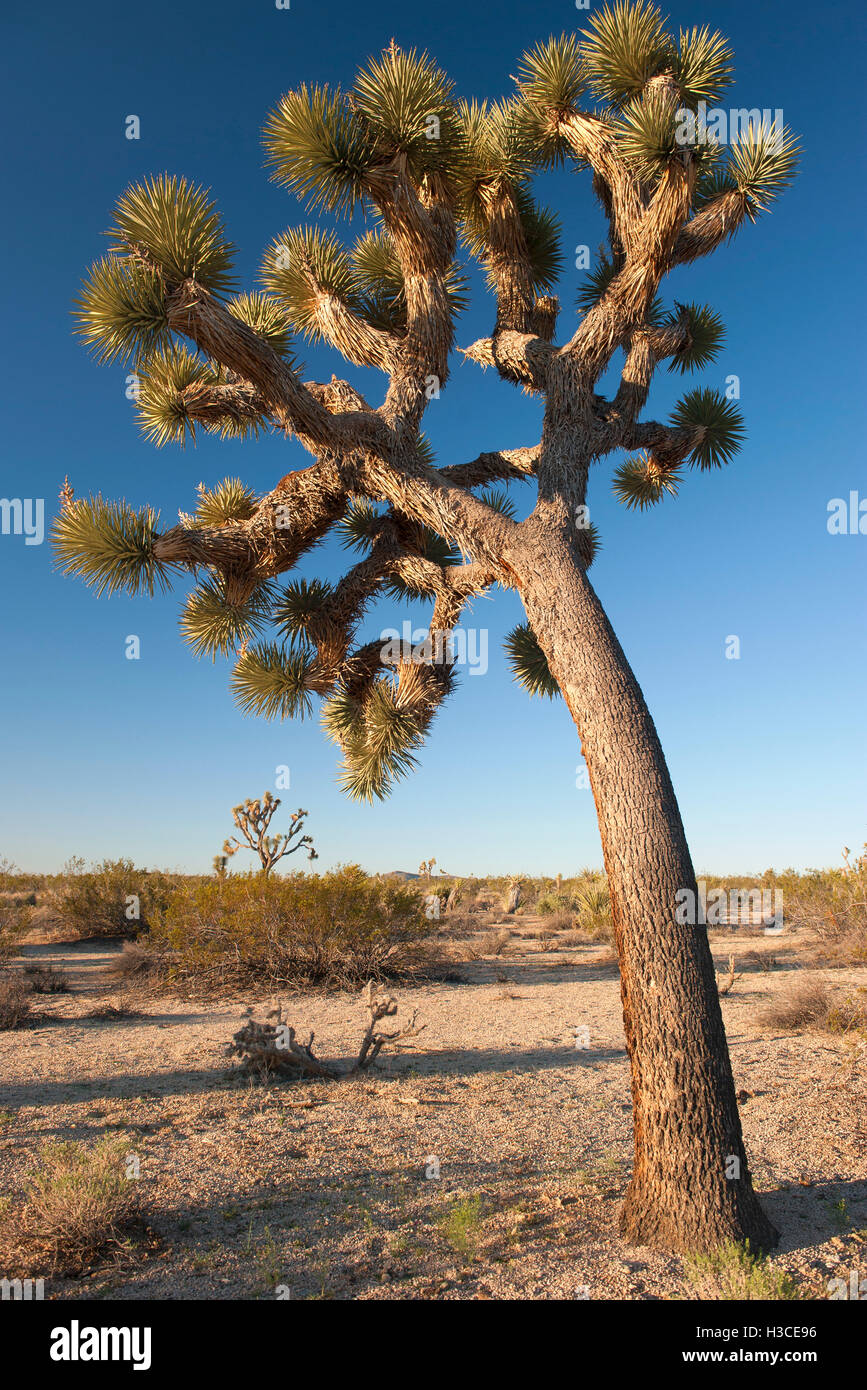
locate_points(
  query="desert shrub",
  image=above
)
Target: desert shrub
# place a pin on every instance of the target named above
(850, 1015)
(15, 1000)
(554, 904)
(801, 1006)
(462, 1224)
(811, 1006)
(77, 1205)
(339, 928)
(493, 943)
(594, 913)
(733, 1272)
(113, 899)
(15, 919)
(560, 921)
(46, 979)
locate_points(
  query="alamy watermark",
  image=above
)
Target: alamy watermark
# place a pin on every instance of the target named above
(460, 647)
(716, 126)
(732, 907)
(23, 516)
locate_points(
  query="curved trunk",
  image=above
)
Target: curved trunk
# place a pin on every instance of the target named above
(691, 1188)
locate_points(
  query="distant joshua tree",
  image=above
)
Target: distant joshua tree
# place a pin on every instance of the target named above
(253, 819)
(620, 102)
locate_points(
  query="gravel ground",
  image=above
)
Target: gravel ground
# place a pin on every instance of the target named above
(330, 1190)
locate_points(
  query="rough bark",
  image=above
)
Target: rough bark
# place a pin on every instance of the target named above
(687, 1126)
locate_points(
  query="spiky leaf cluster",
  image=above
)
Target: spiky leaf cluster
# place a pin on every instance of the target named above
(305, 262)
(711, 183)
(268, 318)
(647, 134)
(229, 500)
(163, 377)
(405, 102)
(317, 149)
(379, 737)
(639, 483)
(598, 282)
(551, 76)
(721, 421)
(270, 681)
(175, 226)
(299, 605)
(762, 163)
(501, 149)
(120, 313)
(361, 524)
(706, 332)
(109, 545)
(498, 499)
(215, 624)
(625, 45)
(702, 65)
(379, 285)
(529, 663)
(299, 267)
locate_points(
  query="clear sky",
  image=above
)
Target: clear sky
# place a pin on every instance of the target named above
(103, 756)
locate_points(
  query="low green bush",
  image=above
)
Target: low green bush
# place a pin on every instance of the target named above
(338, 928)
(113, 899)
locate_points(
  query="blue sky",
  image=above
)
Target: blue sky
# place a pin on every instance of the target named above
(104, 757)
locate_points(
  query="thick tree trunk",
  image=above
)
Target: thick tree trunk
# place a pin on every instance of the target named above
(691, 1188)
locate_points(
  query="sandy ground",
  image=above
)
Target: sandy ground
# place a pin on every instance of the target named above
(329, 1190)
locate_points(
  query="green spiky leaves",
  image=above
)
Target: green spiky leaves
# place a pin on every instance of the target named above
(706, 332)
(164, 378)
(302, 265)
(274, 683)
(597, 283)
(109, 545)
(647, 134)
(762, 160)
(762, 163)
(268, 318)
(720, 422)
(379, 737)
(176, 228)
(317, 150)
(361, 524)
(215, 624)
(300, 605)
(379, 287)
(229, 500)
(501, 147)
(551, 76)
(305, 264)
(120, 313)
(499, 500)
(405, 102)
(165, 231)
(626, 44)
(640, 483)
(529, 663)
(703, 65)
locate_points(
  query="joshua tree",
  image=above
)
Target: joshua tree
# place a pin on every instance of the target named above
(430, 169)
(253, 819)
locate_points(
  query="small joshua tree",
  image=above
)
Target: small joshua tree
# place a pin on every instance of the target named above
(253, 819)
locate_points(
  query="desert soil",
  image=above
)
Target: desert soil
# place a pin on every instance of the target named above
(329, 1190)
